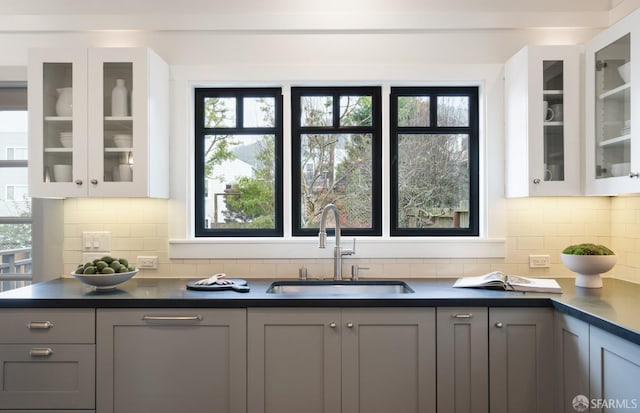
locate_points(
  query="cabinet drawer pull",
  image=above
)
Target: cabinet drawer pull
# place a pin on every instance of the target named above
(467, 315)
(332, 324)
(499, 324)
(172, 318)
(350, 324)
(40, 352)
(39, 325)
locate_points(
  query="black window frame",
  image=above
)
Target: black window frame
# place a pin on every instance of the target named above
(200, 94)
(473, 131)
(297, 130)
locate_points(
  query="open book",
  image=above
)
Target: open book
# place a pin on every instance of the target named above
(498, 280)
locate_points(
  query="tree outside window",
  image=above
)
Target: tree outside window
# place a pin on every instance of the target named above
(336, 158)
(238, 162)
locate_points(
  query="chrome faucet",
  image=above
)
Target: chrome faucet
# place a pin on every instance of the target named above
(338, 251)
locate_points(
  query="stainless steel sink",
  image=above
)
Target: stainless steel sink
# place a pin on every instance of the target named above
(369, 287)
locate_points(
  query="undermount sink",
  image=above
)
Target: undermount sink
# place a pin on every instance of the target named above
(339, 287)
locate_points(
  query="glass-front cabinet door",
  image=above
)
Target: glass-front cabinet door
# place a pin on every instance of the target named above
(542, 107)
(553, 148)
(612, 150)
(57, 122)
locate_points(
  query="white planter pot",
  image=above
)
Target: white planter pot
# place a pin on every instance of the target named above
(588, 268)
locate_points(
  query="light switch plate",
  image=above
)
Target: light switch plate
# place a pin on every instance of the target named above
(96, 241)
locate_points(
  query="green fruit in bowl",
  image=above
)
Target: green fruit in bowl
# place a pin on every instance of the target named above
(124, 261)
(90, 270)
(108, 270)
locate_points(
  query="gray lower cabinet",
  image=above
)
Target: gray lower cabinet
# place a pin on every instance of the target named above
(463, 360)
(171, 360)
(614, 373)
(47, 360)
(571, 361)
(520, 355)
(330, 360)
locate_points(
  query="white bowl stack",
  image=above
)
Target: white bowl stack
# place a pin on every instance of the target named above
(66, 139)
(123, 141)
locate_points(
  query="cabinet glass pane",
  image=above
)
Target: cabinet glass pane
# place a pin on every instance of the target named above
(58, 122)
(118, 122)
(553, 104)
(612, 117)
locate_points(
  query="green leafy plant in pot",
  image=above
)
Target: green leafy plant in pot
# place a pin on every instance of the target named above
(588, 261)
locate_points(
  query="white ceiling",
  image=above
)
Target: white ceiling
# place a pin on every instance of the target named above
(145, 7)
(307, 15)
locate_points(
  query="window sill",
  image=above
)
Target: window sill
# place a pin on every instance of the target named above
(290, 248)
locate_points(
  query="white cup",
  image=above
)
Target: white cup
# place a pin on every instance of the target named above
(125, 172)
(557, 110)
(546, 112)
(62, 173)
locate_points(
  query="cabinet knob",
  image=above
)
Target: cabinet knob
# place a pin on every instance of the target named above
(634, 174)
(536, 181)
(499, 324)
(332, 324)
(78, 182)
(94, 181)
(350, 324)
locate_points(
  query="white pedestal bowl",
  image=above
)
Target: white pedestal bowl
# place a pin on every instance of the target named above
(588, 268)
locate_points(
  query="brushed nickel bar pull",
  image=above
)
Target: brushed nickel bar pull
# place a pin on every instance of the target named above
(467, 315)
(39, 325)
(172, 318)
(40, 352)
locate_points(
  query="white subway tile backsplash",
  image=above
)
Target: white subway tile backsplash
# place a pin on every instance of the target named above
(534, 226)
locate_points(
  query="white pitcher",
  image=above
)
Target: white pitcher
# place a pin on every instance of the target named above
(64, 105)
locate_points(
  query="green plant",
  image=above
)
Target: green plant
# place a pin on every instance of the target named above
(587, 249)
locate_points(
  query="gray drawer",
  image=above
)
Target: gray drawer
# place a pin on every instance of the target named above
(47, 325)
(47, 376)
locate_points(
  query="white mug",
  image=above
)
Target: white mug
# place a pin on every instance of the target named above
(546, 112)
(62, 173)
(557, 110)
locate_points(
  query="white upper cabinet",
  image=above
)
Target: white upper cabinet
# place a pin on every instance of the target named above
(542, 111)
(612, 144)
(99, 123)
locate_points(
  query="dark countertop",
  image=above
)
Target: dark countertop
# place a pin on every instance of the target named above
(615, 307)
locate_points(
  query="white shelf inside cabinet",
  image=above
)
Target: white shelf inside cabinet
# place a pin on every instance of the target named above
(118, 150)
(553, 123)
(58, 150)
(58, 118)
(614, 141)
(552, 92)
(615, 92)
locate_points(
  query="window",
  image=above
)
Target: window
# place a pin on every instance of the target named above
(434, 161)
(336, 157)
(238, 162)
(15, 204)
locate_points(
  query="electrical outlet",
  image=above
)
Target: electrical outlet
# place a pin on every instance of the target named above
(539, 261)
(147, 262)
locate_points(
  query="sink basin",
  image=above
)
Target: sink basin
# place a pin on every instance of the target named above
(339, 287)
